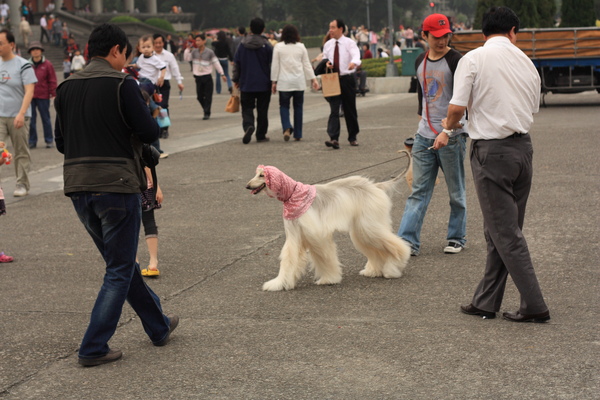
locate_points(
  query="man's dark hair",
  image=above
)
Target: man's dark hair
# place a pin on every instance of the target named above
(257, 26)
(340, 24)
(499, 20)
(242, 30)
(158, 35)
(105, 37)
(201, 36)
(10, 38)
(290, 34)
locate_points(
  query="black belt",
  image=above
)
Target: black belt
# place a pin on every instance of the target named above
(517, 135)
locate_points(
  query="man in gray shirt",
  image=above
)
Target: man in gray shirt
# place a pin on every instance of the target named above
(17, 83)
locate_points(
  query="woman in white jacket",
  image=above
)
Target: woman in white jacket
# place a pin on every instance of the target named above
(290, 70)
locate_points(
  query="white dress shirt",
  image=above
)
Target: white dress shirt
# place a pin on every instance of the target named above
(500, 87)
(172, 66)
(291, 67)
(348, 51)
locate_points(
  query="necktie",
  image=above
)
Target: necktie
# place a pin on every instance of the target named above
(336, 58)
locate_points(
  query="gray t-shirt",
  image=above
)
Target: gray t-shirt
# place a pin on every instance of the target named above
(440, 82)
(14, 74)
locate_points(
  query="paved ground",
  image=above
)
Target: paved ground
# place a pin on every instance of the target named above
(361, 339)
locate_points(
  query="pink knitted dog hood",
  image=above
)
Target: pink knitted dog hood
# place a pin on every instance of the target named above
(296, 196)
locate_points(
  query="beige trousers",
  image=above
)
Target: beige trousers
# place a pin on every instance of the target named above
(20, 143)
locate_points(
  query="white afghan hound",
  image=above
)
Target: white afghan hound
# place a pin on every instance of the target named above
(312, 213)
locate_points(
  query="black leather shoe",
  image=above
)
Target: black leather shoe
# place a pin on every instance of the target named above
(174, 321)
(333, 143)
(472, 310)
(518, 317)
(248, 135)
(112, 355)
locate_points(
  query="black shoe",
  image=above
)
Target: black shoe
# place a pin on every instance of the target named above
(49, 145)
(518, 317)
(453, 248)
(248, 135)
(333, 143)
(263, 140)
(174, 321)
(32, 145)
(111, 356)
(472, 310)
(206, 116)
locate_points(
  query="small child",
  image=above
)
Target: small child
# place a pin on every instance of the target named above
(66, 67)
(3, 257)
(151, 200)
(204, 61)
(78, 62)
(152, 69)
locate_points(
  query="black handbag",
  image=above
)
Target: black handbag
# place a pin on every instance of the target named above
(321, 67)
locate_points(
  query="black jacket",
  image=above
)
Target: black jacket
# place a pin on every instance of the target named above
(101, 122)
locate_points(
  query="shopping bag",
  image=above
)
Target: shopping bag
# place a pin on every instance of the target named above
(163, 119)
(233, 105)
(330, 84)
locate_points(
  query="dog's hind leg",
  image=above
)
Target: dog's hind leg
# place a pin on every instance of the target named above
(291, 267)
(373, 267)
(323, 253)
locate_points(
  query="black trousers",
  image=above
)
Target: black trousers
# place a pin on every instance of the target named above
(502, 174)
(204, 91)
(348, 102)
(260, 101)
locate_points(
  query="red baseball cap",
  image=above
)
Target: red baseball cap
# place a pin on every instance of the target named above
(437, 24)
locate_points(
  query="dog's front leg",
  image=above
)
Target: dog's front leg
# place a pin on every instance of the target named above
(291, 267)
(323, 253)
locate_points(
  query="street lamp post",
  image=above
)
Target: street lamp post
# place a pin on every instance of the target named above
(368, 17)
(391, 69)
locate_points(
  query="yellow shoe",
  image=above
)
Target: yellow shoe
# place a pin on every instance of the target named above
(150, 272)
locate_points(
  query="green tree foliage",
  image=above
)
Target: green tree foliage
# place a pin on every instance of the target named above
(531, 13)
(577, 13)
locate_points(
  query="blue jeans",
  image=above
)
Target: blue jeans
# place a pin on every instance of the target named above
(425, 169)
(284, 111)
(113, 222)
(225, 65)
(43, 106)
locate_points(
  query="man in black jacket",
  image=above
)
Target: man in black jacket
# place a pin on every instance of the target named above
(101, 123)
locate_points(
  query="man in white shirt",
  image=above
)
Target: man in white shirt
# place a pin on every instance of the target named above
(172, 72)
(44, 29)
(343, 61)
(500, 87)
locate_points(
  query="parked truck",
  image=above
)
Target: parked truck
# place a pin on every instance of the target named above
(567, 59)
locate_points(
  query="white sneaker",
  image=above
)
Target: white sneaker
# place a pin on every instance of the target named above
(453, 248)
(20, 191)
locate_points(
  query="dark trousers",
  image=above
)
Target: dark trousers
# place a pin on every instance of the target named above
(502, 174)
(43, 107)
(44, 33)
(204, 92)
(348, 102)
(165, 91)
(260, 101)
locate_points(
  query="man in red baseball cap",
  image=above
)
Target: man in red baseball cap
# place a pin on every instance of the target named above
(434, 147)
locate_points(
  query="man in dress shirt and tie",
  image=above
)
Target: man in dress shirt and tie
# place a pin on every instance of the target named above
(344, 57)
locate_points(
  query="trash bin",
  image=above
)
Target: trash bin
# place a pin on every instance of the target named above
(409, 57)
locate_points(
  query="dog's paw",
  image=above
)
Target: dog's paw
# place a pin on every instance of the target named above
(329, 281)
(274, 285)
(370, 273)
(392, 275)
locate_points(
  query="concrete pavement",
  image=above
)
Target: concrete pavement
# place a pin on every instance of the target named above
(364, 338)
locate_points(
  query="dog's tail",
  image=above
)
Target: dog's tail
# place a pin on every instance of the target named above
(390, 186)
